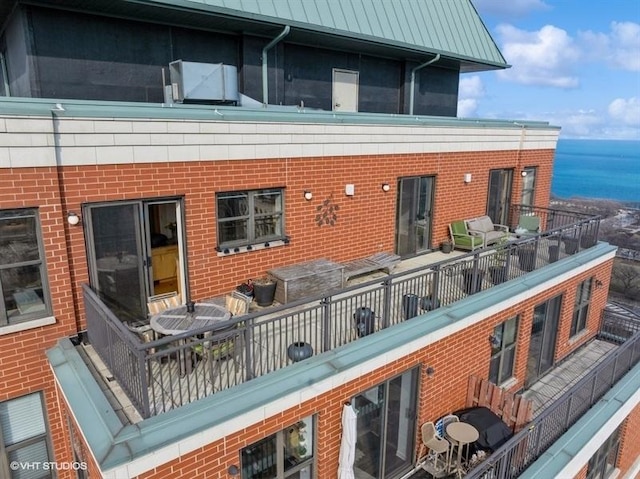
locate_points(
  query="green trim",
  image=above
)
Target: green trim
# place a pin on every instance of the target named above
(114, 444)
(131, 110)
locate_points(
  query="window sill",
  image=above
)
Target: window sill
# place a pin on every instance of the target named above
(35, 323)
(578, 336)
(252, 247)
(509, 383)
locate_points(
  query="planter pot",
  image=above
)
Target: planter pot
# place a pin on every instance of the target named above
(554, 253)
(527, 258)
(427, 303)
(498, 274)
(365, 321)
(472, 280)
(570, 245)
(410, 305)
(446, 247)
(587, 241)
(264, 293)
(299, 350)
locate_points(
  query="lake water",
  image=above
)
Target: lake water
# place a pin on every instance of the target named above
(607, 169)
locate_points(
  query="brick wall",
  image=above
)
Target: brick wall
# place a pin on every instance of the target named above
(630, 441)
(24, 368)
(366, 221)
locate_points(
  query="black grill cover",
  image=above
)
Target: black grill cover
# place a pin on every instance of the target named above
(493, 432)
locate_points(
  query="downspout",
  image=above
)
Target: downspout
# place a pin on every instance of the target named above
(265, 80)
(413, 80)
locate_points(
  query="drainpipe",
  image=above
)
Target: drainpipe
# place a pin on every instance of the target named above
(413, 80)
(265, 80)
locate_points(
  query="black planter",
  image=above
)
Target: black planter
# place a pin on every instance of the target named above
(299, 350)
(527, 258)
(498, 274)
(472, 280)
(264, 293)
(446, 247)
(570, 245)
(365, 321)
(427, 303)
(554, 253)
(587, 241)
(410, 305)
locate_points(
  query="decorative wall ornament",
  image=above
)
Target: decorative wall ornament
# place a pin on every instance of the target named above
(327, 212)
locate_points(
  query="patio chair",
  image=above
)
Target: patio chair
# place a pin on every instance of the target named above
(437, 447)
(161, 302)
(528, 225)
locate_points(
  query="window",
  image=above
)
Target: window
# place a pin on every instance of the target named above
(24, 438)
(581, 309)
(246, 217)
(23, 286)
(603, 462)
(503, 351)
(287, 453)
(528, 185)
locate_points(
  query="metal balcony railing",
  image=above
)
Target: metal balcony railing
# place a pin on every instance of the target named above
(211, 360)
(517, 454)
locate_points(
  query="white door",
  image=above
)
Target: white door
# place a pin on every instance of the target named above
(345, 90)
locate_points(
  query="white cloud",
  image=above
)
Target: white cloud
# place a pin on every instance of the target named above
(626, 112)
(470, 91)
(543, 57)
(619, 48)
(509, 8)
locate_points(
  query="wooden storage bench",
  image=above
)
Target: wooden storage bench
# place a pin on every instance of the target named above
(306, 279)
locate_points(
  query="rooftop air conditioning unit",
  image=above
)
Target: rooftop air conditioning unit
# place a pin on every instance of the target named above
(193, 82)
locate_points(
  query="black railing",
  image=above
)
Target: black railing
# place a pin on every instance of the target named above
(175, 370)
(517, 454)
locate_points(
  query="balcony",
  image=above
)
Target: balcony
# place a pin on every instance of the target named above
(150, 375)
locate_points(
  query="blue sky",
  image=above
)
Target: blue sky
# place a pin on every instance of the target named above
(575, 63)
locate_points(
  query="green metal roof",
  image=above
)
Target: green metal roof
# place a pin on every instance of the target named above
(411, 29)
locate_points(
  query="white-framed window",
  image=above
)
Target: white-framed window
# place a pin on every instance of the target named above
(603, 463)
(286, 454)
(23, 280)
(250, 217)
(581, 308)
(528, 186)
(25, 445)
(503, 351)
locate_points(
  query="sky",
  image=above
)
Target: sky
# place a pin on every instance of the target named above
(574, 63)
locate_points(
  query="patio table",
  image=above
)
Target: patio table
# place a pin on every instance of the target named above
(463, 434)
(178, 320)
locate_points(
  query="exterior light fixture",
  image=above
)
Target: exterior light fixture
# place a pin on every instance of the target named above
(467, 177)
(386, 187)
(430, 371)
(599, 284)
(308, 195)
(523, 173)
(73, 219)
(233, 470)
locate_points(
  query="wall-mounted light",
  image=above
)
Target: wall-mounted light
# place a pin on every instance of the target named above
(233, 470)
(467, 177)
(430, 371)
(308, 195)
(599, 284)
(350, 189)
(523, 173)
(72, 218)
(386, 187)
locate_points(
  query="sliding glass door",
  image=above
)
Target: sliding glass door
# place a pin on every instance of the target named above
(413, 218)
(499, 198)
(544, 332)
(386, 428)
(134, 251)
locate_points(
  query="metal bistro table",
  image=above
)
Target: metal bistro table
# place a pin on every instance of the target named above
(463, 434)
(178, 320)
